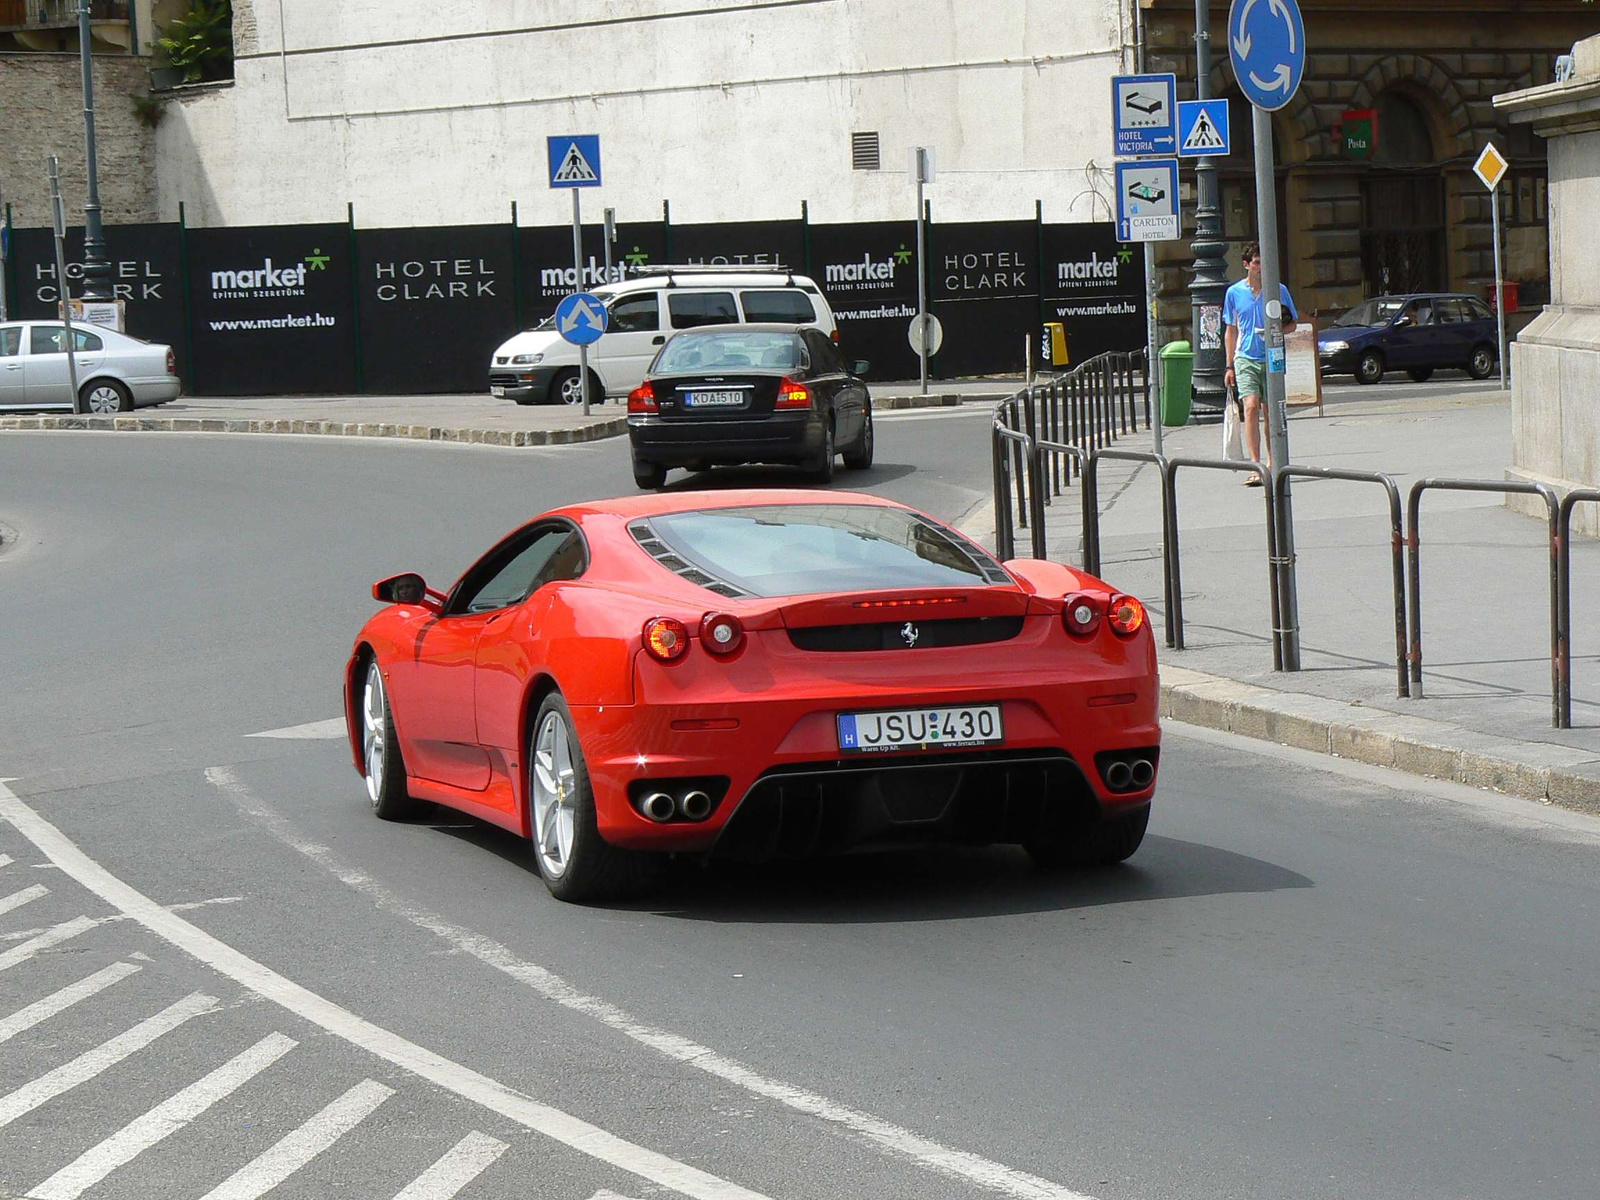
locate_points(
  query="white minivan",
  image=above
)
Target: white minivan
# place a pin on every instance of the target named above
(538, 366)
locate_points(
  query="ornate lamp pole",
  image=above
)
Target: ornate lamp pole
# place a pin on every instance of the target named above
(1210, 268)
(96, 268)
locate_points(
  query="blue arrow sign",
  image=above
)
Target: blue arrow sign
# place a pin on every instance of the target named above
(1202, 128)
(1267, 45)
(581, 318)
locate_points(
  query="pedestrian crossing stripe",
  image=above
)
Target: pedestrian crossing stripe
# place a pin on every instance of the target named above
(575, 167)
(1204, 135)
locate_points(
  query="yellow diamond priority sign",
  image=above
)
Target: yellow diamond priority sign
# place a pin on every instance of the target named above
(1490, 167)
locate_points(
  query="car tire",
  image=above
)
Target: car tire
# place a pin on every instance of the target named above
(1482, 363)
(564, 388)
(1420, 374)
(859, 456)
(820, 468)
(383, 767)
(1369, 367)
(649, 475)
(575, 862)
(1108, 841)
(103, 396)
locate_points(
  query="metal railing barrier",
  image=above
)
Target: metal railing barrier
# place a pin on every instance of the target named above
(1050, 456)
(1506, 487)
(1004, 533)
(1564, 600)
(1175, 571)
(1396, 545)
(1091, 522)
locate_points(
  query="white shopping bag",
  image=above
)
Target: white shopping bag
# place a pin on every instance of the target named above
(1232, 429)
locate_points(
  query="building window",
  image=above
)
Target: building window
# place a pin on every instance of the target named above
(864, 151)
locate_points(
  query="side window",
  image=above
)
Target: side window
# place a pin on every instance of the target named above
(1479, 310)
(10, 343)
(636, 314)
(1454, 312)
(823, 353)
(87, 341)
(47, 339)
(692, 309)
(785, 307)
(1420, 312)
(521, 564)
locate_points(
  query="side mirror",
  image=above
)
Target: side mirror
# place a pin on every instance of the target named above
(860, 367)
(408, 588)
(1402, 321)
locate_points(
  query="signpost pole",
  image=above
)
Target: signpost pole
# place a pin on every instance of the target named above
(5, 253)
(610, 236)
(1210, 282)
(1288, 616)
(922, 272)
(1499, 285)
(58, 218)
(1152, 360)
(577, 265)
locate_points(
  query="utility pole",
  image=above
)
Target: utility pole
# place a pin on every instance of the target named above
(58, 220)
(1210, 280)
(5, 251)
(96, 267)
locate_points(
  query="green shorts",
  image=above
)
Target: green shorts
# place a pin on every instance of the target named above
(1249, 376)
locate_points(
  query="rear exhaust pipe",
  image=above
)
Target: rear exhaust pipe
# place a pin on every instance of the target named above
(694, 805)
(1118, 775)
(658, 807)
(1143, 772)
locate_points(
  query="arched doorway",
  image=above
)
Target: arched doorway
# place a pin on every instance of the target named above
(1403, 246)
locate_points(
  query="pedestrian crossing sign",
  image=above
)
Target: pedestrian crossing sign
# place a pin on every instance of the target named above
(574, 160)
(1202, 128)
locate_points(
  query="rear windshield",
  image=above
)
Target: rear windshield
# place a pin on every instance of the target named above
(778, 307)
(729, 350)
(804, 549)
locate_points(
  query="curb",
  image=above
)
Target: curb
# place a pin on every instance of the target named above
(418, 433)
(888, 403)
(1539, 771)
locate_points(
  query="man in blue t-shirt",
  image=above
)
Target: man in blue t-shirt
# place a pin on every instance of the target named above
(1244, 316)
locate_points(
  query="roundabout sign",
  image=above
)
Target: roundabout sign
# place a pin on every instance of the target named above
(1267, 45)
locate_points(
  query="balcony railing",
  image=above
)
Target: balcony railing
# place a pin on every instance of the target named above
(56, 14)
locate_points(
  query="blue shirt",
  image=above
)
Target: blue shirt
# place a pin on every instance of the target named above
(1246, 311)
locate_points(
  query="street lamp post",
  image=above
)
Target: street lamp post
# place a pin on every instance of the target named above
(96, 267)
(1210, 280)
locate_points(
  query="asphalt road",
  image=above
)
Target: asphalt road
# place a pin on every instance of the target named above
(219, 975)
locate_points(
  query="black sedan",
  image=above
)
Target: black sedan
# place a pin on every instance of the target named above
(1417, 334)
(728, 394)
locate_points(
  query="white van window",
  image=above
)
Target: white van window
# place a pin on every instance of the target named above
(780, 307)
(636, 314)
(692, 309)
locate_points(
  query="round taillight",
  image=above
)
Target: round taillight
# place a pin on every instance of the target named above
(666, 639)
(721, 633)
(1080, 614)
(1126, 615)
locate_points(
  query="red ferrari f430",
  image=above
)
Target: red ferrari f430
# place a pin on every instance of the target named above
(758, 674)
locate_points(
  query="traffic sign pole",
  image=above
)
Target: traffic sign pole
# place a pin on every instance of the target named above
(1499, 284)
(1288, 614)
(577, 265)
(920, 158)
(5, 249)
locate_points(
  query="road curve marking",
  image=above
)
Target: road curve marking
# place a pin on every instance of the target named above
(342, 1023)
(896, 1140)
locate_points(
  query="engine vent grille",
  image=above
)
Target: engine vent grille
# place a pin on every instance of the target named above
(662, 553)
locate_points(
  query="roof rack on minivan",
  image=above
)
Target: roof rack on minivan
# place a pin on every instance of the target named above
(670, 269)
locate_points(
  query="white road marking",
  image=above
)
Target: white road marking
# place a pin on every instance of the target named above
(185, 907)
(6, 860)
(50, 937)
(43, 1010)
(451, 1076)
(299, 1146)
(334, 727)
(461, 1164)
(162, 1121)
(104, 1056)
(898, 1141)
(18, 899)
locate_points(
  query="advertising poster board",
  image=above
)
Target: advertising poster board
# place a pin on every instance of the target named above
(1094, 286)
(983, 281)
(868, 273)
(546, 261)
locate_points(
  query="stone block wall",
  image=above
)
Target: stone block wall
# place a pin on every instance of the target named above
(41, 96)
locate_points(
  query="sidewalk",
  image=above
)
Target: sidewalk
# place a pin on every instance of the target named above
(476, 417)
(1485, 605)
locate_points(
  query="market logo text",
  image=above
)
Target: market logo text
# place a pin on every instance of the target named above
(868, 273)
(267, 281)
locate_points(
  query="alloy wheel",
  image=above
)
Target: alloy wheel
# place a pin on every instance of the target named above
(103, 398)
(374, 732)
(555, 796)
(572, 390)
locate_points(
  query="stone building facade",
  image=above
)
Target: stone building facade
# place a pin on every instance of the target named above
(1404, 212)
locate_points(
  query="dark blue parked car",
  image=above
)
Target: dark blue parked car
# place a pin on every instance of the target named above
(1415, 334)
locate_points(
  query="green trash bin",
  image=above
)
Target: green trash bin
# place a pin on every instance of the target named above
(1177, 375)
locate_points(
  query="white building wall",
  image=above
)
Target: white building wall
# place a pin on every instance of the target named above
(425, 113)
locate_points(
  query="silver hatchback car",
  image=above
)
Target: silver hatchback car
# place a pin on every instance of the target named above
(116, 373)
